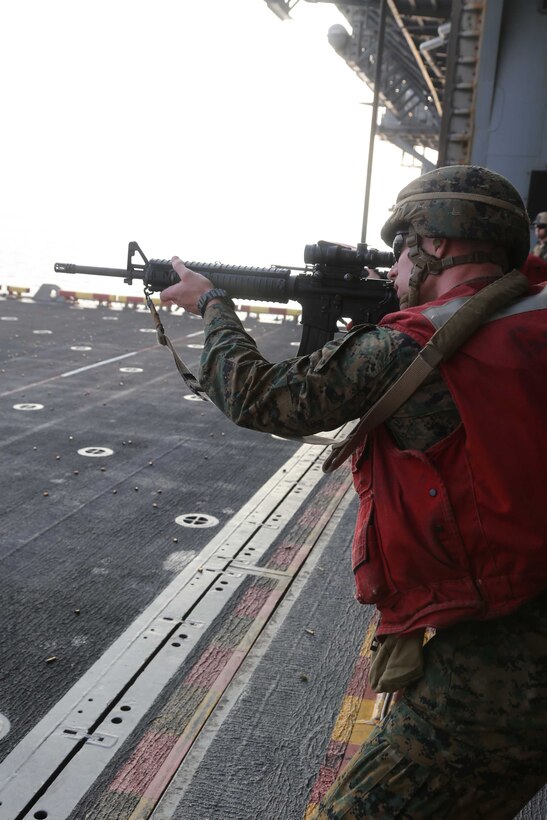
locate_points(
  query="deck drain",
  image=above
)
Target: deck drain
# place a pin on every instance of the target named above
(192, 397)
(196, 520)
(295, 344)
(130, 369)
(95, 452)
(147, 329)
(195, 345)
(4, 726)
(9, 318)
(42, 332)
(81, 347)
(28, 406)
(111, 318)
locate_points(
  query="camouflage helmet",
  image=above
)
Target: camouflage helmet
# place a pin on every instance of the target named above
(466, 202)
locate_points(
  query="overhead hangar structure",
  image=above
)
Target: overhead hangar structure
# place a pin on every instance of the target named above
(403, 51)
(463, 77)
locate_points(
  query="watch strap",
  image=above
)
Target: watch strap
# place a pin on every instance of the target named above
(215, 293)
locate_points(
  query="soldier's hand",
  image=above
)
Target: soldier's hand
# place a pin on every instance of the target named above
(186, 293)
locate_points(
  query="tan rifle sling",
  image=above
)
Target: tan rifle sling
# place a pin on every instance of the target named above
(442, 345)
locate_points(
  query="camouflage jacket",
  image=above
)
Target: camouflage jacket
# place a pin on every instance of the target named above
(323, 390)
(540, 249)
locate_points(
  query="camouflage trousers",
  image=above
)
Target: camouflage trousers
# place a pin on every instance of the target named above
(468, 740)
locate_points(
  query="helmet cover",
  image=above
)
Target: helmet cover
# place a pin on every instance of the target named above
(465, 202)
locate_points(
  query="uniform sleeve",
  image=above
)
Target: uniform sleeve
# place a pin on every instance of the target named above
(302, 395)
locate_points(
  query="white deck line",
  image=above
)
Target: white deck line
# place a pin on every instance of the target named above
(32, 762)
(97, 364)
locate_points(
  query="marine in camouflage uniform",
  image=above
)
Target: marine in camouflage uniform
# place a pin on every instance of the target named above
(540, 224)
(468, 739)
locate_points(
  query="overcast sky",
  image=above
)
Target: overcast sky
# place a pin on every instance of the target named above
(207, 129)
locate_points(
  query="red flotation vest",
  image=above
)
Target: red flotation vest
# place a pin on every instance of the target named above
(460, 531)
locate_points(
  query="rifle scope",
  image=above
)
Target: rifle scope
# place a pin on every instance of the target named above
(339, 256)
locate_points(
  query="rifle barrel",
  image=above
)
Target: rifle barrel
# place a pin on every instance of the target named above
(69, 267)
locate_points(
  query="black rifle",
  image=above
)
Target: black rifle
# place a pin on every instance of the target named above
(332, 287)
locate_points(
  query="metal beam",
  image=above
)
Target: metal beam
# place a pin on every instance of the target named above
(417, 56)
(408, 148)
(281, 8)
(461, 82)
(374, 115)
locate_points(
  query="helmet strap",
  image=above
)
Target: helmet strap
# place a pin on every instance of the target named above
(421, 262)
(424, 264)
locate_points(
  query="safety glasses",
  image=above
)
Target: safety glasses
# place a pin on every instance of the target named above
(538, 225)
(399, 244)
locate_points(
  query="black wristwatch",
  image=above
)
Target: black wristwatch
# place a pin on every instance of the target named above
(215, 293)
